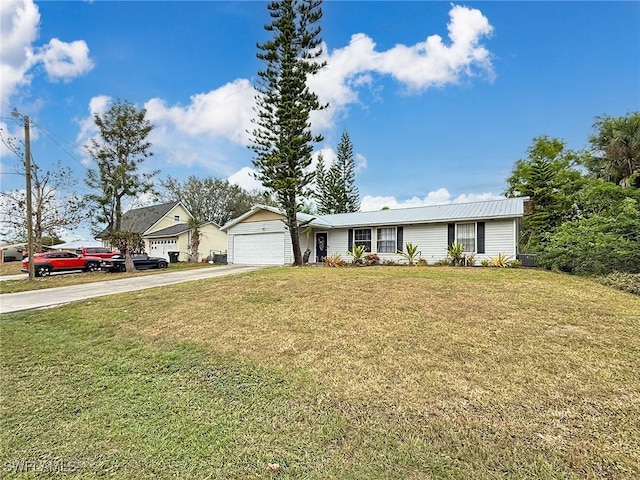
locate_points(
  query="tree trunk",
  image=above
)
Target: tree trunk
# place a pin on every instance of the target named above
(128, 261)
(295, 239)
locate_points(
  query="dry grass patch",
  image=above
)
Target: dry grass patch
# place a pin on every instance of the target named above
(520, 360)
(404, 372)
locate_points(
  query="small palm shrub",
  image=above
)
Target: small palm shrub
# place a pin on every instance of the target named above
(502, 260)
(411, 253)
(357, 252)
(485, 262)
(455, 252)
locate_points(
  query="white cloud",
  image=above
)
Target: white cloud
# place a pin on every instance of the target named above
(97, 106)
(224, 115)
(65, 61)
(245, 179)
(437, 197)
(19, 29)
(225, 112)
(432, 63)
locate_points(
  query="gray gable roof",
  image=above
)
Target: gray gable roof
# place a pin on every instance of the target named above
(142, 219)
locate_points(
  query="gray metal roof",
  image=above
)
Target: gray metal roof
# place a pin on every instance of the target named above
(484, 210)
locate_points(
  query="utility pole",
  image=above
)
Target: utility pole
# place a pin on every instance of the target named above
(27, 166)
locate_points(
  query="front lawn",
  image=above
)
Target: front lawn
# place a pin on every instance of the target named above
(360, 373)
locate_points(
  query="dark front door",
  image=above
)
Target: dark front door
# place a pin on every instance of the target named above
(321, 247)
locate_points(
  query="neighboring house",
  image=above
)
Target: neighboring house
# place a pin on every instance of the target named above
(485, 228)
(165, 228)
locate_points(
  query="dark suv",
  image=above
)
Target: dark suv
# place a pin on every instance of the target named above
(45, 263)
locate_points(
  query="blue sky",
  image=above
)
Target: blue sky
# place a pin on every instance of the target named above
(439, 98)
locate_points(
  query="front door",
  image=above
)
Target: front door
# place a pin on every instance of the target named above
(321, 247)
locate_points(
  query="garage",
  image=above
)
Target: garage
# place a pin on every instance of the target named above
(259, 249)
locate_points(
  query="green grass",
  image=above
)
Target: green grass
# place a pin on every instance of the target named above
(79, 278)
(363, 373)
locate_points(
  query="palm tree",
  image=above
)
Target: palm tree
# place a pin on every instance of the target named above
(617, 143)
(194, 243)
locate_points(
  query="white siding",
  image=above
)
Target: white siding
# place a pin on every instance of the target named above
(337, 243)
(431, 240)
(500, 238)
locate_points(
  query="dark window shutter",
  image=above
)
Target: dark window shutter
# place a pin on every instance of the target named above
(399, 240)
(451, 234)
(480, 237)
(350, 240)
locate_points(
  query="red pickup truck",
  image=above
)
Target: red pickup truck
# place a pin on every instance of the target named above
(102, 252)
(45, 263)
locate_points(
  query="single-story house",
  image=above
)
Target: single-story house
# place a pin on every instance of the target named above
(485, 228)
(165, 228)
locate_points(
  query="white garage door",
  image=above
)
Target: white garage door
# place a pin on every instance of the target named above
(259, 249)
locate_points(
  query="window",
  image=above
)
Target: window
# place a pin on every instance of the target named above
(387, 240)
(362, 237)
(176, 218)
(466, 235)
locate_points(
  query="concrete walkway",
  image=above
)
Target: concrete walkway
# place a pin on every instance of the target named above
(49, 297)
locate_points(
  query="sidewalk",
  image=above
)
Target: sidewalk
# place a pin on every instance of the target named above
(18, 302)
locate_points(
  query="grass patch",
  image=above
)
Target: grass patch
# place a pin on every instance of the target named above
(10, 268)
(332, 373)
(80, 278)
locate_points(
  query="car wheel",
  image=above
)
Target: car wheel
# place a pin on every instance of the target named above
(122, 268)
(93, 267)
(163, 264)
(42, 271)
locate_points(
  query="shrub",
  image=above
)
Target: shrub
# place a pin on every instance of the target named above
(390, 263)
(422, 262)
(485, 262)
(411, 253)
(469, 260)
(515, 264)
(502, 260)
(334, 261)
(357, 252)
(442, 262)
(372, 259)
(455, 251)
(627, 282)
(599, 244)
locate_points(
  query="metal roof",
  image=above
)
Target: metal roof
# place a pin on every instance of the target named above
(484, 210)
(451, 212)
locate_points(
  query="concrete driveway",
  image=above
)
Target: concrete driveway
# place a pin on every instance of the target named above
(18, 302)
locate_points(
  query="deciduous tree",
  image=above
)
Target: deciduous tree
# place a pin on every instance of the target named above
(56, 207)
(212, 199)
(282, 140)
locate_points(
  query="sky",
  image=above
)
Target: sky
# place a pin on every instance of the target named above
(439, 98)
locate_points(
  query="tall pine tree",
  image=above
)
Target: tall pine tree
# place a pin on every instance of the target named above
(336, 191)
(282, 139)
